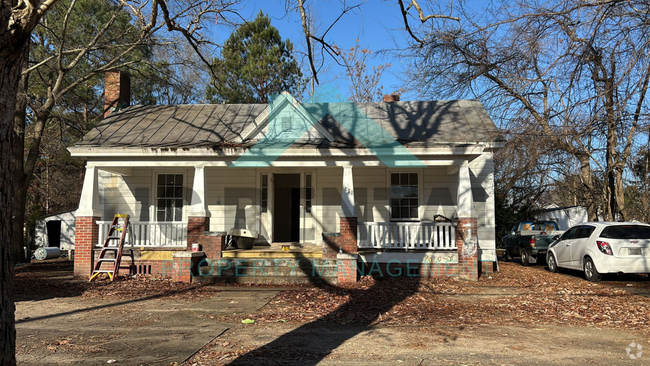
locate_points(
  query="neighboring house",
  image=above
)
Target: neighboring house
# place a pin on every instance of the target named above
(178, 171)
(564, 216)
(56, 230)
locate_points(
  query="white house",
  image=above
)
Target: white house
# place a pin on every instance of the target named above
(369, 183)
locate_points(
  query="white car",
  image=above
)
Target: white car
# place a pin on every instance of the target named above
(602, 247)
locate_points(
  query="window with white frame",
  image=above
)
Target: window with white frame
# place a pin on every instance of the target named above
(404, 200)
(169, 197)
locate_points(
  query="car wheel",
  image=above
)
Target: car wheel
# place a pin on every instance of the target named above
(524, 257)
(552, 264)
(591, 274)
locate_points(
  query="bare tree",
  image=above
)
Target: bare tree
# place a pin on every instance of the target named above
(364, 80)
(18, 18)
(575, 71)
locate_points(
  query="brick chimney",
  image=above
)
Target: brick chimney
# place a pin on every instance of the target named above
(391, 98)
(117, 91)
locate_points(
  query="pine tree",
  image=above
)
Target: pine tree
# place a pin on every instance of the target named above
(255, 63)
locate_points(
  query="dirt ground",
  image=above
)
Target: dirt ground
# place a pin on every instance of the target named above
(518, 316)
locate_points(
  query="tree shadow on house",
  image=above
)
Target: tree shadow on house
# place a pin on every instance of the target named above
(310, 343)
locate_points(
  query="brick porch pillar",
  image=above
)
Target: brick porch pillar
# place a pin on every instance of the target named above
(467, 242)
(86, 229)
(196, 227)
(86, 236)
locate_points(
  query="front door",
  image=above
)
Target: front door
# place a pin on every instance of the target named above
(286, 211)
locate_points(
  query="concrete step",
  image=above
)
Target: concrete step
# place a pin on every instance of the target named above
(272, 262)
(275, 280)
(271, 271)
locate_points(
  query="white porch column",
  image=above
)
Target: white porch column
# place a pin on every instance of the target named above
(465, 197)
(348, 193)
(89, 202)
(198, 203)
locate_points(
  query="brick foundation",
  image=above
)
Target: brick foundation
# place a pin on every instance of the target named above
(86, 236)
(467, 242)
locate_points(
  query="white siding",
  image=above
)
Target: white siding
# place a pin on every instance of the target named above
(328, 199)
(440, 193)
(231, 195)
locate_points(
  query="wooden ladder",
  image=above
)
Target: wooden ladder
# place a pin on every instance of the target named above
(114, 243)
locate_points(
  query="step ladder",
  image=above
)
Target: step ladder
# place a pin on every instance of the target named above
(113, 244)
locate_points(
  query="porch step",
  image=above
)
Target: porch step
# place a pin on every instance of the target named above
(270, 271)
(280, 280)
(273, 253)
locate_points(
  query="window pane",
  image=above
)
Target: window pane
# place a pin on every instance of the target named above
(413, 202)
(161, 204)
(178, 192)
(178, 203)
(308, 206)
(179, 180)
(413, 191)
(161, 215)
(161, 191)
(413, 179)
(394, 202)
(265, 193)
(178, 214)
(404, 191)
(169, 179)
(161, 179)
(308, 180)
(394, 191)
(168, 213)
(394, 179)
(169, 192)
(265, 180)
(404, 202)
(414, 213)
(404, 212)
(404, 179)
(395, 212)
(308, 193)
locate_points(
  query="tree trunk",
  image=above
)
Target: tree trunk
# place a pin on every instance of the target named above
(20, 194)
(587, 183)
(12, 57)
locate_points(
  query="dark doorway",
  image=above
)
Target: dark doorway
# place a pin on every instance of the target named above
(54, 233)
(286, 212)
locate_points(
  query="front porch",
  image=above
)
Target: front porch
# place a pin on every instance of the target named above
(352, 214)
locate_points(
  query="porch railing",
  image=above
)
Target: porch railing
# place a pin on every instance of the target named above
(407, 235)
(151, 233)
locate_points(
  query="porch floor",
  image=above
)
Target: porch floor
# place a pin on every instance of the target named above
(275, 251)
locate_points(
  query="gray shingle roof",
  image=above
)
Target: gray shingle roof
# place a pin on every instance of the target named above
(209, 125)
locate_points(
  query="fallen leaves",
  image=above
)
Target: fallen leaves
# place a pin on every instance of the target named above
(516, 295)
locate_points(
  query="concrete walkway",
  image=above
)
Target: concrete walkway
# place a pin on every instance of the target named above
(133, 332)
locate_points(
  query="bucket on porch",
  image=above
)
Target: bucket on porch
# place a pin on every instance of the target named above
(195, 247)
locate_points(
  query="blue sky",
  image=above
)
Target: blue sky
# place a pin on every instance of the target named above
(377, 24)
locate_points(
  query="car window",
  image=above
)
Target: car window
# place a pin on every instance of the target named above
(549, 226)
(570, 234)
(626, 232)
(544, 226)
(526, 226)
(585, 232)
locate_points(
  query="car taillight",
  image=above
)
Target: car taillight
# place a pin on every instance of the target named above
(532, 242)
(604, 247)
